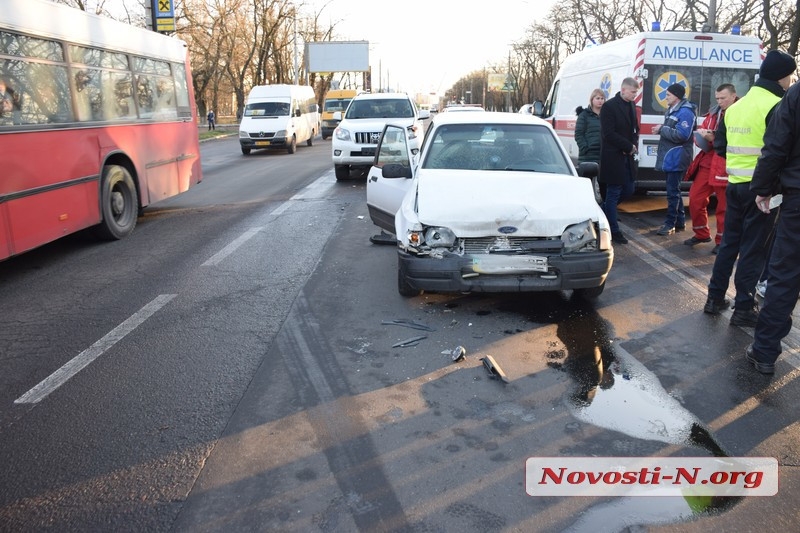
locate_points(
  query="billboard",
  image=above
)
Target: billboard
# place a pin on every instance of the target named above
(337, 56)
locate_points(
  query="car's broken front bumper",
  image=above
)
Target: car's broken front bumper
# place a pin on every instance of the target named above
(506, 273)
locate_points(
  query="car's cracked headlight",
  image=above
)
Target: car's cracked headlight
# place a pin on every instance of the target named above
(578, 236)
(434, 237)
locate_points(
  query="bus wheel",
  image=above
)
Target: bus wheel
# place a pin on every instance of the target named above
(292, 145)
(310, 141)
(119, 204)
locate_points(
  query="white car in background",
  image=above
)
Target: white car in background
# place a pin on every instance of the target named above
(492, 203)
(357, 135)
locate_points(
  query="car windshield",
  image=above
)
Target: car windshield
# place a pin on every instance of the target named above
(380, 108)
(264, 109)
(524, 147)
(336, 104)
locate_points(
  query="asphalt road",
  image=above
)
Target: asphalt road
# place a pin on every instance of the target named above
(245, 373)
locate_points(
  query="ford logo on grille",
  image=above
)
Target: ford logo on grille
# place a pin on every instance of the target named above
(505, 230)
(375, 137)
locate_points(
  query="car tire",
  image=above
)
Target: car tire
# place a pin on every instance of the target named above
(590, 293)
(342, 172)
(405, 290)
(245, 151)
(310, 141)
(292, 148)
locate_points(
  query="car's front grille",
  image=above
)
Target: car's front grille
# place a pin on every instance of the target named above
(368, 137)
(486, 245)
(262, 135)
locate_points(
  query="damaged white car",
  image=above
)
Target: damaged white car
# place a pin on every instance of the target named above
(491, 203)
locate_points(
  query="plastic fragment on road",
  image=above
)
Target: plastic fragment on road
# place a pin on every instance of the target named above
(407, 323)
(495, 372)
(413, 341)
(458, 353)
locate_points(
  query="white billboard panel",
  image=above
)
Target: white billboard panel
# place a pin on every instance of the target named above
(337, 56)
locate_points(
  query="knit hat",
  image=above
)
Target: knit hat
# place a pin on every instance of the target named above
(677, 89)
(777, 65)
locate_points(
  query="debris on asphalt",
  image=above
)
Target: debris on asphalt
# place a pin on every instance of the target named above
(413, 341)
(457, 353)
(407, 323)
(495, 372)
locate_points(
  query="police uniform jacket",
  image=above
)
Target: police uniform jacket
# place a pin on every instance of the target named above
(619, 135)
(764, 95)
(779, 162)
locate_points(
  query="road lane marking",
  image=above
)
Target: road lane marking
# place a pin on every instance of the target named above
(232, 247)
(82, 360)
(314, 190)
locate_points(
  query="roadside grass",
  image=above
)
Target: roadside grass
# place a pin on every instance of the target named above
(204, 135)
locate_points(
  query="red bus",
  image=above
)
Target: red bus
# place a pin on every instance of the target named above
(97, 121)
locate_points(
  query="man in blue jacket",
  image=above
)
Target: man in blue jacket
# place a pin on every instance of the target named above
(675, 152)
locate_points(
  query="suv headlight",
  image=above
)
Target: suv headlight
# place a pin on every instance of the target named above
(578, 236)
(341, 134)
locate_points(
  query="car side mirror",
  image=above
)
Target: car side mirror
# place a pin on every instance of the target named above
(396, 170)
(424, 114)
(588, 169)
(337, 115)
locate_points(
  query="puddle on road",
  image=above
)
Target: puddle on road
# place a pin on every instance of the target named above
(611, 389)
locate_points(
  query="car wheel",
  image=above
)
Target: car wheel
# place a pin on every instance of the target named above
(590, 293)
(119, 203)
(245, 151)
(310, 141)
(292, 145)
(342, 172)
(405, 290)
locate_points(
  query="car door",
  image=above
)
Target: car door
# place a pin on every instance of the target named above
(389, 177)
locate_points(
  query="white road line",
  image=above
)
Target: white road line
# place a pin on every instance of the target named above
(314, 190)
(230, 248)
(82, 360)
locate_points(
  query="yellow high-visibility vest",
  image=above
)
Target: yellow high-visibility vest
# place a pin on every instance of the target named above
(745, 127)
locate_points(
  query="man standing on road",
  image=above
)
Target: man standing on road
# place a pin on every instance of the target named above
(212, 119)
(675, 153)
(619, 141)
(708, 174)
(740, 137)
(778, 168)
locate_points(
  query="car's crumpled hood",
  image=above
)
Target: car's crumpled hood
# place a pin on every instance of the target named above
(477, 204)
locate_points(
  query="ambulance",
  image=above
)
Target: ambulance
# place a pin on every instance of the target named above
(699, 61)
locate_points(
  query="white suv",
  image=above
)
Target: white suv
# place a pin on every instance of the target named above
(358, 133)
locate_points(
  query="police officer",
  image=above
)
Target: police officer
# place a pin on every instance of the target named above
(779, 167)
(739, 138)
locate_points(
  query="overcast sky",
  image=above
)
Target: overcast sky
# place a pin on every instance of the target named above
(427, 45)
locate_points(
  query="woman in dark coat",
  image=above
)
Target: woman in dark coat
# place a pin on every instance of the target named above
(587, 134)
